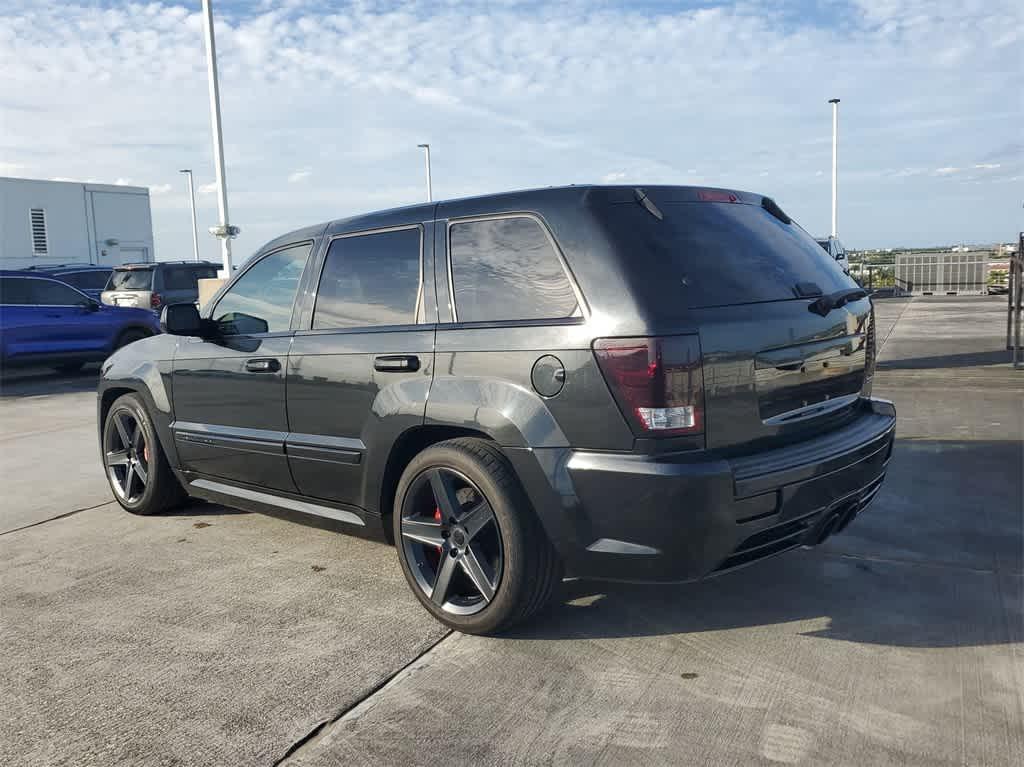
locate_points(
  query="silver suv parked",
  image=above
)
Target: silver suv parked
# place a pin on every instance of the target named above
(155, 285)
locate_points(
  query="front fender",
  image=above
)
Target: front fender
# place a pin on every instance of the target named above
(509, 414)
(143, 368)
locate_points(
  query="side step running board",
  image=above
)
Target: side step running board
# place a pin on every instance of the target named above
(275, 500)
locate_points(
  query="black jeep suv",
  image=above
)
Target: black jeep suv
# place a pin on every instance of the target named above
(649, 384)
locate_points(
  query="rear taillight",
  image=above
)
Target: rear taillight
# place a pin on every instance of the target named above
(156, 300)
(658, 382)
(870, 352)
(716, 195)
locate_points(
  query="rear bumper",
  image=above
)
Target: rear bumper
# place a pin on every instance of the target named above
(678, 518)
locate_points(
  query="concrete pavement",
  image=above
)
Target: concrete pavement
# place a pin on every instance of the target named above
(208, 637)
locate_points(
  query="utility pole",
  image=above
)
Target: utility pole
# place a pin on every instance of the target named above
(223, 231)
(192, 201)
(835, 165)
(430, 190)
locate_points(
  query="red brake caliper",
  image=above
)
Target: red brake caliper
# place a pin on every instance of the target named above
(437, 518)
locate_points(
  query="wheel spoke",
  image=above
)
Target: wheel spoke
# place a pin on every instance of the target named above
(474, 568)
(138, 439)
(444, 493)
(117, 458)
(424, 532)
(476, 519)
(128, 477)
(142, 473)
(122, 431)
(445, 569)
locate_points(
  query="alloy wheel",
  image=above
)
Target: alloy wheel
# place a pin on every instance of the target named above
(451, 541)
(126, 454)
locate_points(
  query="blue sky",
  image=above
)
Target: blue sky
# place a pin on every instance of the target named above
(324, 103)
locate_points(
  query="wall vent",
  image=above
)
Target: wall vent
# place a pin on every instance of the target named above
(40, 246)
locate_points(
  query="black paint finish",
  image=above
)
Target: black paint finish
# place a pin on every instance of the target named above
(322, 420)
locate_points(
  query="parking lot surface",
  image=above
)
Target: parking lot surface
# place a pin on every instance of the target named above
(212, 637)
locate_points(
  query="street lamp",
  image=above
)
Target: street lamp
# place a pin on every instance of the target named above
(223, 231)
(192, 200)
(430, 191)
(835, 165)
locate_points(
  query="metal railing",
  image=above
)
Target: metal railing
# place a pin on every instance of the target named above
(1015, 303)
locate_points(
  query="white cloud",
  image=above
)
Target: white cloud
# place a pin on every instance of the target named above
(123, 182)
(516, 97)
(159, 189)
(205, 189)
(947, 171)
(614, 177)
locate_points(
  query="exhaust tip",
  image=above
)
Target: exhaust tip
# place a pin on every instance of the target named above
(831, 526)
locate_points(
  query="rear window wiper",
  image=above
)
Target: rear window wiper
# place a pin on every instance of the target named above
(825, 304)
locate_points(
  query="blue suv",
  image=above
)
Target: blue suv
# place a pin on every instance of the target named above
(88, 278)
(45, 322)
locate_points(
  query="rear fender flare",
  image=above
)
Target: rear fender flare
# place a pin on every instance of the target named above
(509, 414)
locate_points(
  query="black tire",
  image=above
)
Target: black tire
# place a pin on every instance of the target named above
(161, 490)
(70, 368)
(130, 336)
(530, 568)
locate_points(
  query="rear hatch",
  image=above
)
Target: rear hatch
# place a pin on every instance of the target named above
(129, 286)
(779, 362)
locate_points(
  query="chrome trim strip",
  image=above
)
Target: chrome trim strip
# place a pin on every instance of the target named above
(818, 408)
(273, 500)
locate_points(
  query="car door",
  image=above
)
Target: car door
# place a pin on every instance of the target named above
(22, 323)
(67, 323)
(230, 420)
(360, 367)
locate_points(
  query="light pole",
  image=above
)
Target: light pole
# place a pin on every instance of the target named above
(430, 190)
(223, 231)
(192, 200)
(835, 165)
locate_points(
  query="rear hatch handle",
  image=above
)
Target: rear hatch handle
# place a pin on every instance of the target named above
(825, 304)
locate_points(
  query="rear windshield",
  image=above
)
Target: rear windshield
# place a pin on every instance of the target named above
(705, 254)
(131, 279)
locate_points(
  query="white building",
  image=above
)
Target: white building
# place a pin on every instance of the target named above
(61, 222)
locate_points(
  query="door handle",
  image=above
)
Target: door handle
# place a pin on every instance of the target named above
(397, 363)
(265, 365)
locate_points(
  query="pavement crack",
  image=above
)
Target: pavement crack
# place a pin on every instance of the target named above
(65, 515)
(923, 563)
(311, 736)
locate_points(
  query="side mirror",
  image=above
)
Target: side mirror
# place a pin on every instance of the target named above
(183, 320)
(90, 305)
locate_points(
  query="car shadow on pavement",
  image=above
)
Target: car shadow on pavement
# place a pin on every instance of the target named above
(972, 359)
(35, 382)
(199, 508)
(806, 593)
(935, 561)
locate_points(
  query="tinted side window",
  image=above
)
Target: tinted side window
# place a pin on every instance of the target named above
(15, 291)
(91, 280)
(371, 279)
(185, 277)
(49, 293)
(507, 269)
(261, 300)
